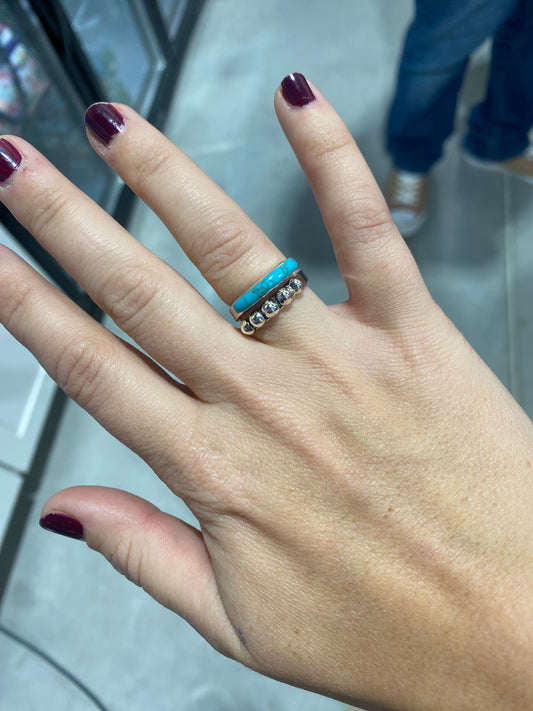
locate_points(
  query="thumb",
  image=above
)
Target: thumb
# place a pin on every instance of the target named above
(159, 552)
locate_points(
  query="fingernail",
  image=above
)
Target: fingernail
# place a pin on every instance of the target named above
(296, 90)
(10, 159)
(104, 122)
(63, 524)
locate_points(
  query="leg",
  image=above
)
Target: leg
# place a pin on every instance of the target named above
(435, 56)
(499, 126)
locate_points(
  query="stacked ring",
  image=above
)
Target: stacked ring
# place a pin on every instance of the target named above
(268, 296)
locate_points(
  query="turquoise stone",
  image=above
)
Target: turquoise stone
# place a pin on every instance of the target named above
(270, 281)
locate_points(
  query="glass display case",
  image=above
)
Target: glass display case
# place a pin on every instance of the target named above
(121, 46)
(172, 12)
(25, 392)
(56, 58)
(39, 102)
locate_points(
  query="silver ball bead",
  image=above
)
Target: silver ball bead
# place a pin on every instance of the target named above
(247, 328)
(296, 285)
(257, 319)
(284, 296)
(270, 308)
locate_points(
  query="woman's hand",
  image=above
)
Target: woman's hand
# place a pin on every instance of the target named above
(362, 480)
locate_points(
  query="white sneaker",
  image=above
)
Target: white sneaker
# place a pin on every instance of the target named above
(521, 166)
(406, 195)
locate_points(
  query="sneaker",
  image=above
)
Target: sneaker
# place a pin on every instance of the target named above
(521, 166)
(406, 195)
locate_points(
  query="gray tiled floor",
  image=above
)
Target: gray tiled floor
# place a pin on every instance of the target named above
(476, 254)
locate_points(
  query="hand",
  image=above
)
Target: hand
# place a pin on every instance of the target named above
(363, 482)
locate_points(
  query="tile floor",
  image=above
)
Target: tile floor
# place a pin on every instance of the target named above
(475, 252)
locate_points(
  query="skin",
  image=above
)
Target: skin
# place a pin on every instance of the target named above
(366, 527)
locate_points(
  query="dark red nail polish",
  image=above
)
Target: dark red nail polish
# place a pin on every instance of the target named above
(10, 159)
(63, 524)
(104, 122)
(296, 90)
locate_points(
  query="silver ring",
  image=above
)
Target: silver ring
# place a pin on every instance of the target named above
(271, 301)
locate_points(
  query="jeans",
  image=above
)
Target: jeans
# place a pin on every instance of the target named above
(438, 45)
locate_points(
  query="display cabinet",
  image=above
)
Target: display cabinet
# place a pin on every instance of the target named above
(56, 58)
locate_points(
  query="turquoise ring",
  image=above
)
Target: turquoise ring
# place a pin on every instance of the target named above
(267, 297)
(272, 280)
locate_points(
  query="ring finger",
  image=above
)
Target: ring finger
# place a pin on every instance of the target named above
(228, 248)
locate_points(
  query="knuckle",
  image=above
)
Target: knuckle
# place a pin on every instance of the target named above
(329, 144)
(228, 245)
(16, 300)
(81, 369)
(362, 207)
(153, 162)
(127, 558)
(371, 219)
(47, 208)
(129, 295)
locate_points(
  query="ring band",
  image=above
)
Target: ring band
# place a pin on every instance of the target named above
(267, 297)
(269, 282)
(297, 274)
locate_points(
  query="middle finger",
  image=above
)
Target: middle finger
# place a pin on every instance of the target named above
(145, 297)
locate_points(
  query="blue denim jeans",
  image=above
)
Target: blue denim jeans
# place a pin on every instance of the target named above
(438, 44)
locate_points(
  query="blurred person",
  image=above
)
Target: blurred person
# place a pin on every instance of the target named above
(437, 48)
